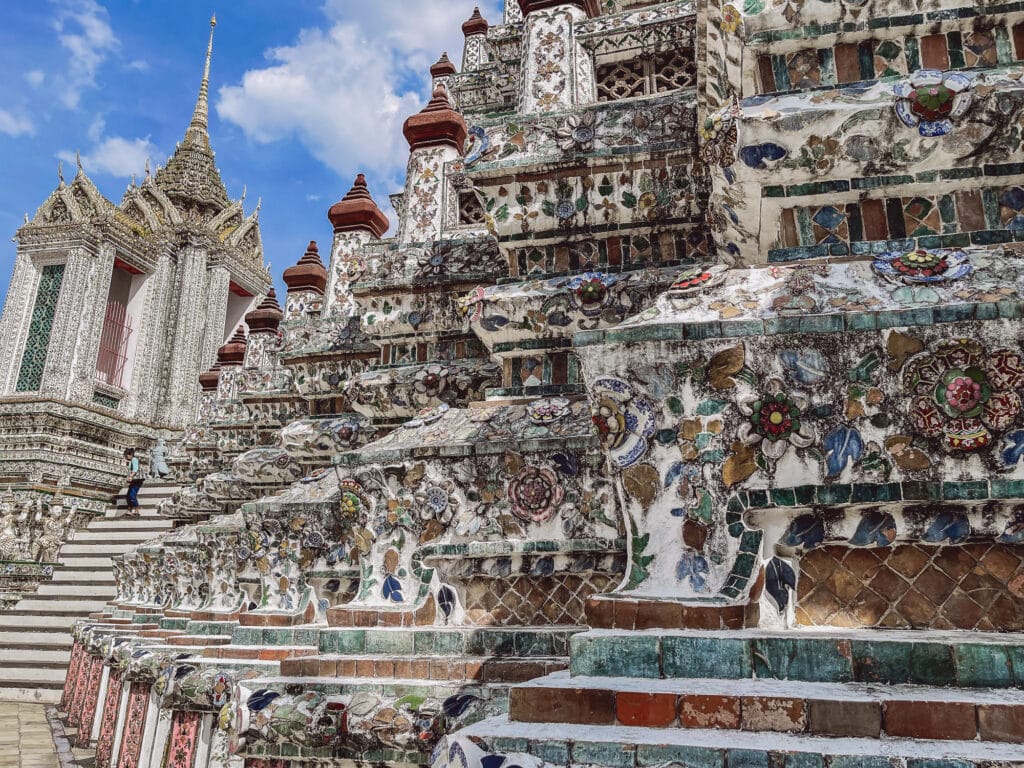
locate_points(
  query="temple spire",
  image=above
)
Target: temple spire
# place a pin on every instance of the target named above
(201, 116)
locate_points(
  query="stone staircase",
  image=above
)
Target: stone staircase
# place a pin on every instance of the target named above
(851, 698)
(35, 643)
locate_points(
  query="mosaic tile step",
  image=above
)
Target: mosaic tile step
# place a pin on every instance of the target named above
(466, 641)
(535, 745)
(275, 653)
(196, 641)
(787, 706)
(622, 612)
(210, 627)
(161, 633)
(867, 656)
(469, 669)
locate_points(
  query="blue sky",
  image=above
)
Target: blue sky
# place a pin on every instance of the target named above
(304, 95)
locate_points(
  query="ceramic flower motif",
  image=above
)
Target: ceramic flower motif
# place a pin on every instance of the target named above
(623, 420)
(577, 132)
(697, 279)
(535, 494)
(477, 143)
(923, 265)
(731, 19)
(547, 410)
(588, 293)
(775, 421)
(931, 100)
(963, 393)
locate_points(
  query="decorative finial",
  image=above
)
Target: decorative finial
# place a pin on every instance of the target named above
(60, 171)
(78, 160)
(133, 181)
(259, 204)
(26, 217)
(148, 175)
(201, 115)
(244, 190)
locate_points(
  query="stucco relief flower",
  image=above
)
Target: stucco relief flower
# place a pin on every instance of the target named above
(731, 19)
(431, 380)
(535, 494)
(588, 293)
(577, 132)
(931, 100)
(775, 421)
(923, 265)
(547, 410)
(962, 393)
(436, 502)
(622, 419)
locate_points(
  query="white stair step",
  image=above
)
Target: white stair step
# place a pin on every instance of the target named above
(84, 606)
(68, 577)
(99, 564)
(95, 548)
(120, 537)
(130, 524)
(106, 591)
(12, 621)
(15, 676)
(32, 656)
(54, 639)
(765, 741)
(30, 695)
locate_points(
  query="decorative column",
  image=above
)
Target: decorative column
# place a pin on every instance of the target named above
(216, 312)
(474, 51)
(263, 323)
(188, 337)
(93, 312)
(356, 220)
(557, 72)
(306, 283)
(436, 135)
(513, 13)
(146, 385)
(441, 72)
(21, 297)
(67, 317)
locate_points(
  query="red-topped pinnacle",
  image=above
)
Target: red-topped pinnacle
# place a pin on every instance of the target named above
(233, 352)
(475, 24)
(267, 316)
(443, 67)
(590, 6)
(309, 274)
(437, 124)
(208, 380)
(357, 210)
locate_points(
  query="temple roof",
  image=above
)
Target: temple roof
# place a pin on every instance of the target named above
(191, 175)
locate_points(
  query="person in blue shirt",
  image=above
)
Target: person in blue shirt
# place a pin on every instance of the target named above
(134, 482)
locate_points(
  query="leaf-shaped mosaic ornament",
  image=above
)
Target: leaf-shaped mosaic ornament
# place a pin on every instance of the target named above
(842, 445)
(260, 699)
(875, 527)
(779, 579)
(391, 589)
(455, 706)
(446, 600)
(948, 525)
(807, 531)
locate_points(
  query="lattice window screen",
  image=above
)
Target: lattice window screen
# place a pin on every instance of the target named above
(34, 357)
(644, 76)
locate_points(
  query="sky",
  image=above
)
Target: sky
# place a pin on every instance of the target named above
(305, 94)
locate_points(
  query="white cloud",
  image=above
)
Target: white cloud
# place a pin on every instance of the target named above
(139, 65)
(35, 78)
(15, 125)
(344, 91)
(313, 198)
(96, 128)
(83, 29)
(115, 156)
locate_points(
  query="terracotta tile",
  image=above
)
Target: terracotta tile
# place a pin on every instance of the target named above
(845, 718)
(843, 584)
(771, 713)
(699, 711)
(384, 668)
(1001, 563)
(625, 614)
(364, 667)
(584, 706)
(889, 584)
(916, 608)
(869, 607)
(962, 612)
(908, 561)
(847, 60)
(999, 722)
(934, 585)
(600, 613)
(473, 670)
(653, 614)
(652, 710)
(934, 52)
(930, 719)
(347, 668)
(327, 667)
(955, 562)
